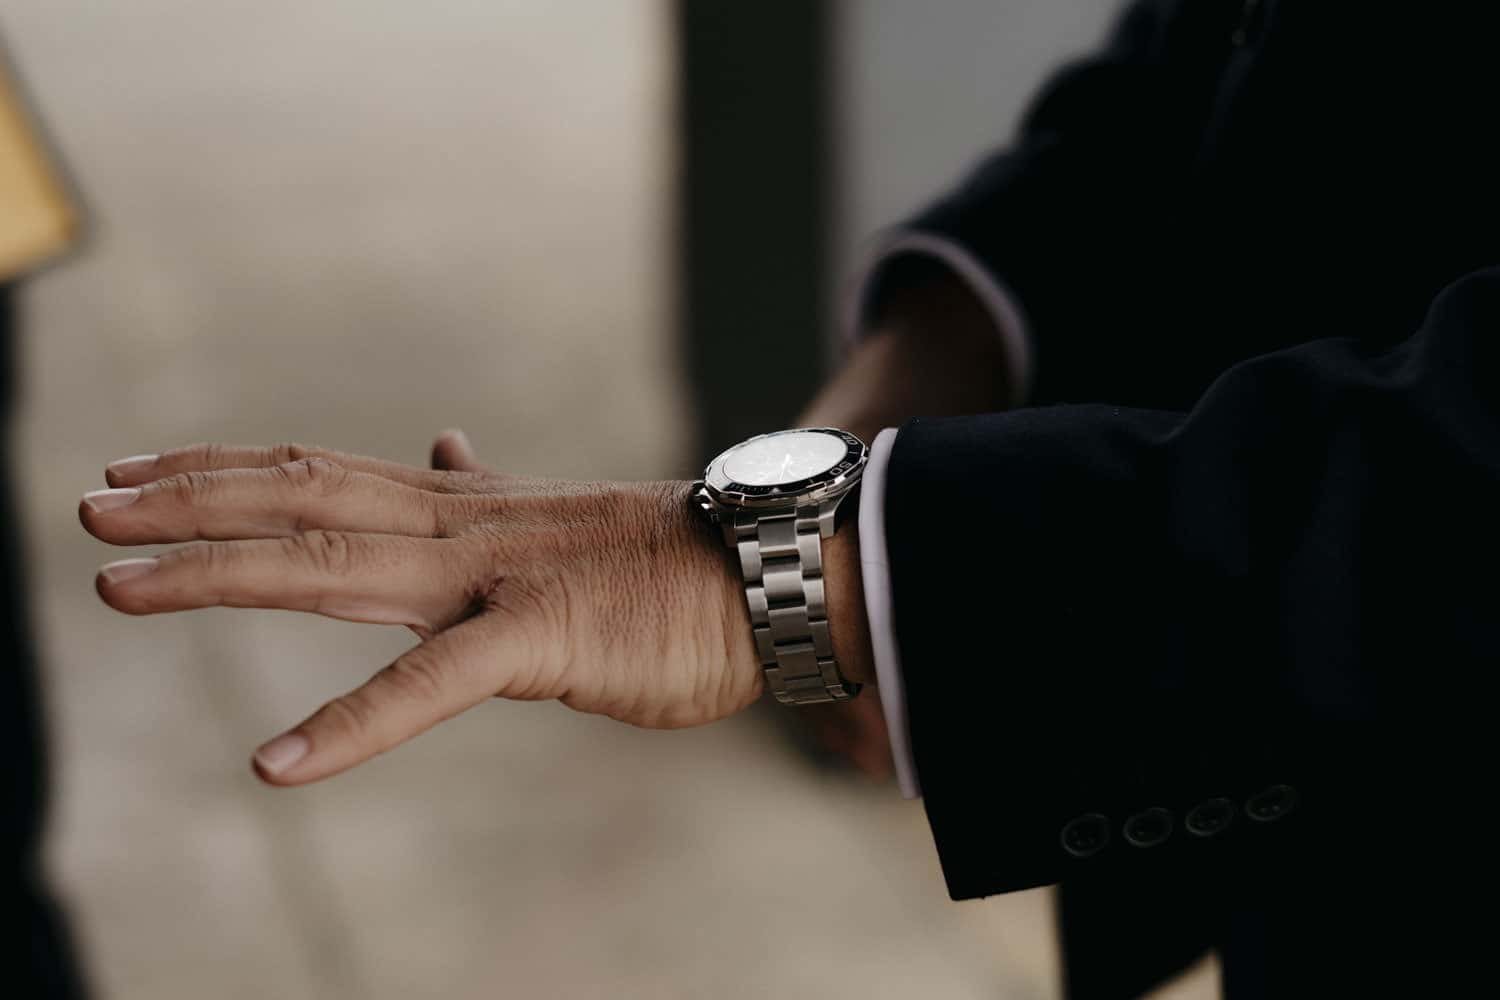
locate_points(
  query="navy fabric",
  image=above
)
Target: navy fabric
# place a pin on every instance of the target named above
(1246, 539)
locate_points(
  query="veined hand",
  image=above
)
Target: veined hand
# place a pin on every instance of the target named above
(613, 598)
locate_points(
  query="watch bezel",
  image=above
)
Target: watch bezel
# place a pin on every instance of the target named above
(831, 482)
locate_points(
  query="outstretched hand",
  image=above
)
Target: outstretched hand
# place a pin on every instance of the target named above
(614, 598)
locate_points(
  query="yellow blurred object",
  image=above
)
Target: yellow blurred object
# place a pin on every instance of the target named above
(38, 219)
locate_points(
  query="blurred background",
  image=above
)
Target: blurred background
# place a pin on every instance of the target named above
(357, 223)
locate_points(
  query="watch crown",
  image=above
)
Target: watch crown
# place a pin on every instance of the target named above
(704, 502)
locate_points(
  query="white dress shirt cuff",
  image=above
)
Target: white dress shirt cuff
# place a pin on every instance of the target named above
(875, 571)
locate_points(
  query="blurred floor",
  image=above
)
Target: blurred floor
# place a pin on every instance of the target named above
(357, 223)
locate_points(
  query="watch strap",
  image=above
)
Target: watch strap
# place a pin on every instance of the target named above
(781, 557)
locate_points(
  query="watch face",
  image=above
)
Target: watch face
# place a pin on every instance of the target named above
(798, 464)
(778, 459)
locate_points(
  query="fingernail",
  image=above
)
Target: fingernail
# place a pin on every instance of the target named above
(458, 437)
(132, 466)
(126, 569)
(281, 753)
(101, 500)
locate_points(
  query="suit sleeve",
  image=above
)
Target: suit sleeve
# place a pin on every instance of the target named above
(1134, 637)
(1101, 152)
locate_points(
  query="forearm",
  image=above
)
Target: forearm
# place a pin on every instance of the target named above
(933, 350)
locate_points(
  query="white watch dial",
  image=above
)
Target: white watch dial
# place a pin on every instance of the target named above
(784, 458)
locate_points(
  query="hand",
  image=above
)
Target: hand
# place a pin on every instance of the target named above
(854, 730)
(934, 350)
(614, 598)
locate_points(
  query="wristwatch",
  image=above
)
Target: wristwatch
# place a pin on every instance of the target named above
(776, 497)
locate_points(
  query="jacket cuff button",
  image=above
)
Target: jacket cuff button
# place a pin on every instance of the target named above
(1209, 818)
(1271, 804)
(1148, 828)
(1086, 836)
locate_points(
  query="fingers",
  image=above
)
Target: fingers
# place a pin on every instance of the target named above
(283, 500)
(449, 673)
(856, 730)
(426, 584)
(140, 469)
(453, 451)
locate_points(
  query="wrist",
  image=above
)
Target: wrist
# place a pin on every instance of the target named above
(848, 625)
(718, 567)
(798, 552)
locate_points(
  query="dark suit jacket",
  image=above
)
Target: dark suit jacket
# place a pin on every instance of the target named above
(1240, 562)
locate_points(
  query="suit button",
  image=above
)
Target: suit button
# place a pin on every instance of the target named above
(1086, 836)
(1271, 804)
(1149, 828)
(1210, 817)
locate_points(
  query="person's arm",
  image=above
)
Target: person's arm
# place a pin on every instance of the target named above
(936, 347)
(614, 598)
(516, 585)
(934, 329)
(1052, 219)
(932, 348)
(1239, 615)
(522, 587)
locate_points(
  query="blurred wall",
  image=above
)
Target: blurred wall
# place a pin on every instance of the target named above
(925, 89)
(466, 193)
(757, 134)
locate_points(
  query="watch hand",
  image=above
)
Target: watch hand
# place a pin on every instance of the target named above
(785, 463)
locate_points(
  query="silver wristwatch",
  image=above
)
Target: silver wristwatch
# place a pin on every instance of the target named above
(776, 496)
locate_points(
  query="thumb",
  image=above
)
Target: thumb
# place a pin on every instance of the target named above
(442, 677)
(453, 452)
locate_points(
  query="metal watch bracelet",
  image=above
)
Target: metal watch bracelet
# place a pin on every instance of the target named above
(781, 558)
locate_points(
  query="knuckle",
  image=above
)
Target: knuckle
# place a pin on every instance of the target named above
(328, 552)
(290, 451)
(210, 455)
(215, 559)
(208, 557)
(534, 606)
(536, 614)
(199, 455)
(314, 474)
(208, 563)
(452, 481)
(188, 488)
(418, 677)
(455, 515)
(349, 717)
